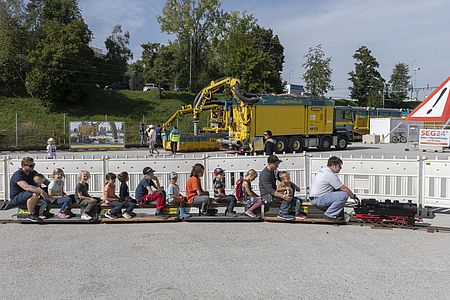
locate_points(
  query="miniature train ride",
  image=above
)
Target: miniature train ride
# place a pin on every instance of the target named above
(366, 211)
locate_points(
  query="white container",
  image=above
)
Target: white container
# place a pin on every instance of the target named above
(371, 139)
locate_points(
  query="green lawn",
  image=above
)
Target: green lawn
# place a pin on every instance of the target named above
(36, 123)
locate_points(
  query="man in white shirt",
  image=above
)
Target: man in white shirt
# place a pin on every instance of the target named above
(152, 139)
(328, 191)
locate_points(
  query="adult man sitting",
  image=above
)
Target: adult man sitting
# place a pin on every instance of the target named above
(328, 191)
(268, 189)
(23, 190)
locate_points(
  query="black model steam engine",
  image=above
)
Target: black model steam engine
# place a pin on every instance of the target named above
(387, 212)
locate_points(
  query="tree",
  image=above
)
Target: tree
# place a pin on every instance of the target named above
(13, 50)
(399, 82)
(251, 54)
(61, 60)
(118, 54)
(318, 72)
(195, 24)
(366, 79)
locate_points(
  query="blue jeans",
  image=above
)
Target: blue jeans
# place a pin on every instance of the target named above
(335, 201)
(65, 202)
(116, 207)
(129, 205)
(284, 205)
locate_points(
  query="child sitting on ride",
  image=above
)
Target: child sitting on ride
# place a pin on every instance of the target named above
(194, 192)
(174, 197)
(251, 200)
(58, 196)
(124, 193)
(149, 190)
(87, 203)
(219, 192)
(110, 198)
(286, 186)
(44, 212)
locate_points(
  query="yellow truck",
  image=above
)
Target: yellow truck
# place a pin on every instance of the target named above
(297, 123)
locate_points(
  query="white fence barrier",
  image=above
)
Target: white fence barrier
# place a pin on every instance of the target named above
(424, 181)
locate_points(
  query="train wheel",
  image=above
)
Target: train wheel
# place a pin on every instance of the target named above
(297, 144)
(281, 145)
(325, 143)
(342, 142)
(403, 139)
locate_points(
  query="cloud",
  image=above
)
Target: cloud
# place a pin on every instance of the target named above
(413, 32)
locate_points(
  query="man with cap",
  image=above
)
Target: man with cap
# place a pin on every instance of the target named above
(152, 140)
(268, 189)
(219, 192)
(149, 190)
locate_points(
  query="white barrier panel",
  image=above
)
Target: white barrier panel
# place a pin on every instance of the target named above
(162, 167)
(436, 174)
(237, 166)
(395, 179)
(3, 179)
(71, 168)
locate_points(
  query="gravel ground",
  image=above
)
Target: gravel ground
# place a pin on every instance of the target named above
(222, 261)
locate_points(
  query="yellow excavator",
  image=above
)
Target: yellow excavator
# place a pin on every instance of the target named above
(219, 119)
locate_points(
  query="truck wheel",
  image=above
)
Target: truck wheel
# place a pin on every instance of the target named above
(297, 144)
(325, 143)
(281, 145)
(342, 142)
(403, 139)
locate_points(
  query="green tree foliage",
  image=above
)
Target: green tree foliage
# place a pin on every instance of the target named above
(13, 47)
(250, 53)
(61, 59)
(117, 56)
(318, 72)
(367, 81)
(399, 82)
(195, 24)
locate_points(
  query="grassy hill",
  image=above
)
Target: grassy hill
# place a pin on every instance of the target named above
(36, 123)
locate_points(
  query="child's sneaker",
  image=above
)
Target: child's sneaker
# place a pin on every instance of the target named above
(62, 215)
(300, 217)
(86, 217)
(126, 215)
(33, 218)
(110, 216)
(285, 217)
(250, 214)
(42, 217)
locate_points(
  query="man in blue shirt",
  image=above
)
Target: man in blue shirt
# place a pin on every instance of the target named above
(22, 189)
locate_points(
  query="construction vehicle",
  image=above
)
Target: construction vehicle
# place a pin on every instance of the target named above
(297, 123)
(218, 124)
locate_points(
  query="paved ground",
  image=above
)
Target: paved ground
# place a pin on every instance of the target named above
(356, 149)
(222, 261)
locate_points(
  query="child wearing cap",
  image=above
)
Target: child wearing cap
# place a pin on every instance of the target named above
(51, 149)
(149, 190)
(174, 197)
(219, 192)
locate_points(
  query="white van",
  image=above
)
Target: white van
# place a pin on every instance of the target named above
(151, 87)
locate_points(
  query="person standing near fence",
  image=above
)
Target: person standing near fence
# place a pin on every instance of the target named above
(151, 132)
(329, 192)
(174, 138)
(51, 148)
(158, 130)
(269, 143)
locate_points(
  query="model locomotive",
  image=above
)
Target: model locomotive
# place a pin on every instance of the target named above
(387, 212)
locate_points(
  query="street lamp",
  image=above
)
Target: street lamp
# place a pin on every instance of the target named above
(414, 83)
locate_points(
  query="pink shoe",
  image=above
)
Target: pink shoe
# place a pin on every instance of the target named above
(250, 214)
(42, 217)
(300, 217)
(62, 215)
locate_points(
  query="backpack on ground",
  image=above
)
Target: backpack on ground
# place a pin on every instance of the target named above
(238, 190)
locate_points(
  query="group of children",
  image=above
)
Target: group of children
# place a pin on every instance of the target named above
(149, 190)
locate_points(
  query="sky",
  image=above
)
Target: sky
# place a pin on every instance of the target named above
(408, 31)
